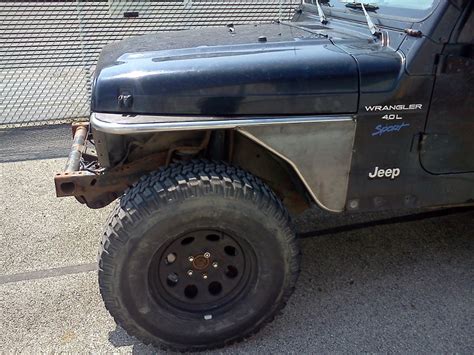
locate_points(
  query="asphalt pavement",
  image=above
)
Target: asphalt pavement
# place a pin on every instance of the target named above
(405, 285)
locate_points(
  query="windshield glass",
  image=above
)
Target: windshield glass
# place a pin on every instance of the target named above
(413, 10)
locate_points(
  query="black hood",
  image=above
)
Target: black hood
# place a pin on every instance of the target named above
(246, 70)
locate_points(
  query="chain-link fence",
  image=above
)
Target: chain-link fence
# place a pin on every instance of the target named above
(48, 48)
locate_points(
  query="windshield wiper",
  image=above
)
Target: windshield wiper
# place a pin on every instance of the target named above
(322, 16)
(358, 5)
(372, 26)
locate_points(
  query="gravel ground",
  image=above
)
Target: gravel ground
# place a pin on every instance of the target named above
(395, 287)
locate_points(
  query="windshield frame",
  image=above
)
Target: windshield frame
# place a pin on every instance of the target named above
(338, 8)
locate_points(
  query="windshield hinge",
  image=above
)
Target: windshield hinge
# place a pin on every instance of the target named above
(413, 33)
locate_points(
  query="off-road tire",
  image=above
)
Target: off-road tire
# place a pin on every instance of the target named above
(165, 203)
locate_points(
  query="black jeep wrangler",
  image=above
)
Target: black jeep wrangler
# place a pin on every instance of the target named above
(213, 139)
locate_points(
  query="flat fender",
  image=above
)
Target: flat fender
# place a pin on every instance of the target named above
(320, 152)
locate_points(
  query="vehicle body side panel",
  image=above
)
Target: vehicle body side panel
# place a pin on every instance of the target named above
(386, 172)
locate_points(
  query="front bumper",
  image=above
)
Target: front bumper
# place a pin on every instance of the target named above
(92, 185)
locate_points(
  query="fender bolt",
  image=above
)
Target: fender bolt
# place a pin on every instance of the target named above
(214, 264)
(204, 276)
(191, 259)
(190, 272)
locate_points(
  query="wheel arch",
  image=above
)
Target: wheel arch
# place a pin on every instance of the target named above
(305, 160)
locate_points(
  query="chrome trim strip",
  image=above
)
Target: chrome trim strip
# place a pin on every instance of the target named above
(110, 123)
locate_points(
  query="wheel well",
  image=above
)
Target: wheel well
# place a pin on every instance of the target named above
(230, 146)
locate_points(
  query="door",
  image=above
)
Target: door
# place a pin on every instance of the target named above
(448, 141)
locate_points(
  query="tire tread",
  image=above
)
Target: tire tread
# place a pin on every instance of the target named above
(179, 182)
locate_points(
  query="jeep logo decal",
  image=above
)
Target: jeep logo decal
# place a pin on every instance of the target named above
(390, 173)
(394, 107)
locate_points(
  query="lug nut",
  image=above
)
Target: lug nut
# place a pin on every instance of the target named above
(204, 276)
(214, 264)
(207, 255)
(190, 272)
(191, 259)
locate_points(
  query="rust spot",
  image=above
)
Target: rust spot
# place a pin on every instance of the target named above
(98, 190)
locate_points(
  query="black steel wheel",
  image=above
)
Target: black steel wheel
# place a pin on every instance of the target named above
(197, 256)
(201, 270)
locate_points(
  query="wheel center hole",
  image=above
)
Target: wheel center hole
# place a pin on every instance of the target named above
(200, 262)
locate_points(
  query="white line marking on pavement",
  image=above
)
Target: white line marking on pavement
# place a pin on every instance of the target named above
(42, 274)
